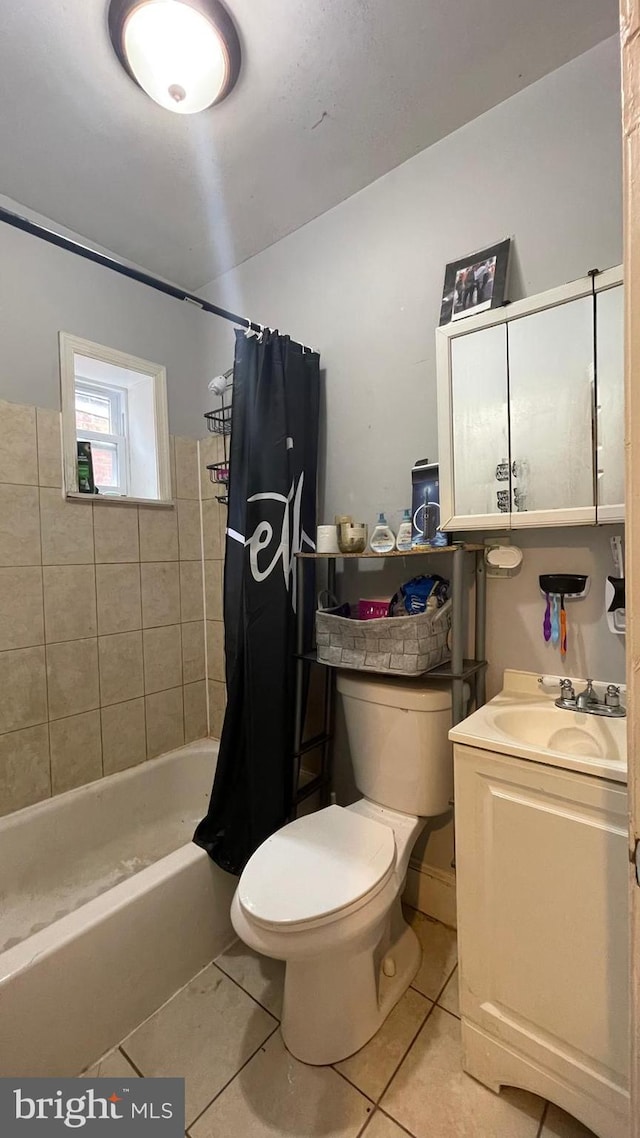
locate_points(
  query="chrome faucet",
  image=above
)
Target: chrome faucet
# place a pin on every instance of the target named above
(587, 701)
(587, 698)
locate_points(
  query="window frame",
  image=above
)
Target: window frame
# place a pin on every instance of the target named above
(117, 397)
(71, 346)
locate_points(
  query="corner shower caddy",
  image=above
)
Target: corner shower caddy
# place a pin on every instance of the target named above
(219, 423)
(457, 670)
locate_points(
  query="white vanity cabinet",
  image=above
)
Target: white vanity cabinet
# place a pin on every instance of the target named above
(541, 856)
(530, 411)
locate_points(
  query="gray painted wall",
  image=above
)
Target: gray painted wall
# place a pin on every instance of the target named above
(363, 283)
(44, 290)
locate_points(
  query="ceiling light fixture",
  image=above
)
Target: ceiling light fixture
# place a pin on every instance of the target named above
(184, 53)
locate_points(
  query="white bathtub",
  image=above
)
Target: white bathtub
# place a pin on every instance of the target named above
(106, 909)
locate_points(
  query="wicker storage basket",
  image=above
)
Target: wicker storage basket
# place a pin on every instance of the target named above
(401, 645)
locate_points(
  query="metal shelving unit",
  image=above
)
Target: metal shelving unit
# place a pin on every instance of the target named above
(459, 670)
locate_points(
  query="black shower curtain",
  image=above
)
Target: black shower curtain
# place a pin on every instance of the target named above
(272, 515)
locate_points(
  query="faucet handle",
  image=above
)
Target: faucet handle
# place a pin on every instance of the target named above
(612, 696)
(566, 690)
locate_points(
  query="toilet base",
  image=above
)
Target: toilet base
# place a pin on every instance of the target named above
(335, 1002)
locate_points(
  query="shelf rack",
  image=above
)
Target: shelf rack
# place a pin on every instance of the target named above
(458, 670)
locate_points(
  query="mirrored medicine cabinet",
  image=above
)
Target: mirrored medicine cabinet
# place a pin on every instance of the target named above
(531, 410)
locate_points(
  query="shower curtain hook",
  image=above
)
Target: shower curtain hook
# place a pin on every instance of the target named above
(249, 332)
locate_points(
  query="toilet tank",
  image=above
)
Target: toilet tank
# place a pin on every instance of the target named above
(397, 731)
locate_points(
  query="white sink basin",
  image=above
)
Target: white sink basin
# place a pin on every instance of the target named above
(524, 721)
(568, 732)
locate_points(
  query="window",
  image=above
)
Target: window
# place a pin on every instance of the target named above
(101, 419)
(118, 404)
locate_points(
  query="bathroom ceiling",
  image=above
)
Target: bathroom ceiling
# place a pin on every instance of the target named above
(332, 94)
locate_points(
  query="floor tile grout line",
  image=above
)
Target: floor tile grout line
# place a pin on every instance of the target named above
(352, 1084)
(395, 1120)
(542, 1120)
(366, 1122)
(247, 992)
(413, 1039)
(409, 1050)
(235, 1076)
(137, 1070)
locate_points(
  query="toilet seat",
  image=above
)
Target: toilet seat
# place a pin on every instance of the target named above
(317, 868)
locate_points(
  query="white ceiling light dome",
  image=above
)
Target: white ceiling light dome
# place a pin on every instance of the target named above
(184, 53)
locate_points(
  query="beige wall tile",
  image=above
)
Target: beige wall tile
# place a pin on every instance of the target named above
(18, 446)
(121, 674)
(191, 591)
(21, 620)
(115, 533)
(49, 447)
(160, 593)
(23, 684)
(215, 650)
(124, 739)
(211, 529)
(162, 658)
(189, 530)
(195, 711)
(118, 593)
(186, 468)
(24, 768)
(165, 721)
(213, 589)
(72, 677)
(222, 528)
(76, 751)
(193, 651)
(158, 534)
(69, 602)
(19, 526)
(67, 529)
(217, 707)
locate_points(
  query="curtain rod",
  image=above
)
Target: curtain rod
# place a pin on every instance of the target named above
(89, 254)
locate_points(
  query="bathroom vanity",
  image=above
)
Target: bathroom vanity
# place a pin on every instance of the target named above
(542, 864)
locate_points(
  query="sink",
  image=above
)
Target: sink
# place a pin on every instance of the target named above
(524, 721)
(564, 731)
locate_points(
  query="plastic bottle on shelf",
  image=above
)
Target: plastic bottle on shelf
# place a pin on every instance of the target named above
(383, 539)
(405, 531)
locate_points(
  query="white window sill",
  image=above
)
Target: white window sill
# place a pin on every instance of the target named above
(115, 500)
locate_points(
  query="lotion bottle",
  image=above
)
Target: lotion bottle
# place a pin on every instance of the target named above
(405, 531)
(383, 538)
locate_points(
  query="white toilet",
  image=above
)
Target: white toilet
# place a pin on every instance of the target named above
(323, 893)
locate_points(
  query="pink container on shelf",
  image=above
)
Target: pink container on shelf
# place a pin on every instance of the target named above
(372, 609)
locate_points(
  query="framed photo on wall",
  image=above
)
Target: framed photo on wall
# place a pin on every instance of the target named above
(475, 282)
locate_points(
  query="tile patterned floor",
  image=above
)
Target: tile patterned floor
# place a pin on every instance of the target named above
(221, 1032)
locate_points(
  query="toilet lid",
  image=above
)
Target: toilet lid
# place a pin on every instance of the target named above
(316, 866)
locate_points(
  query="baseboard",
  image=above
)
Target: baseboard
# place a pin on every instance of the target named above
(432, 891)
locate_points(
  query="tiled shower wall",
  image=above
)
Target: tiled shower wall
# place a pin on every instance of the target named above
(104, 661)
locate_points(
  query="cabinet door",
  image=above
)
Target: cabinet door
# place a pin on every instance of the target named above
(541, 868)
(551, 399)
(480, 429)
(610, 404)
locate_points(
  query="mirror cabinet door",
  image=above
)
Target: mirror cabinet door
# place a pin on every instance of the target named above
(610, 398)
(551, 409)
(480, 431)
